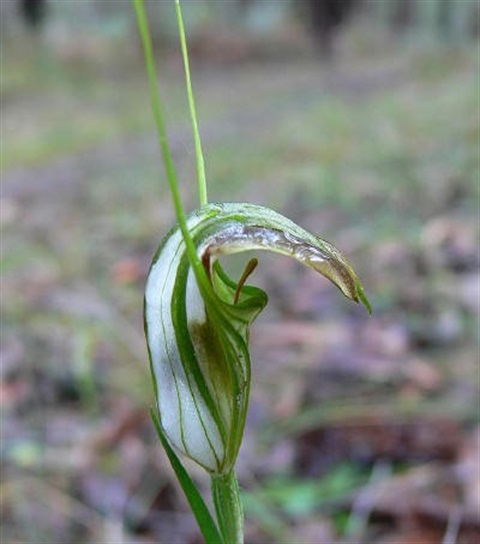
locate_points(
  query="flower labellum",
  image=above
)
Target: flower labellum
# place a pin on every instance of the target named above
(197, 322)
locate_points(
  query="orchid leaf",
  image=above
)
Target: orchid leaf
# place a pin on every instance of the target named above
(199, 508)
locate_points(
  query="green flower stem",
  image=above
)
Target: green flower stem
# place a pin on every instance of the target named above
(228, 506)
(163, 138)
(157, 107)
(202, 182)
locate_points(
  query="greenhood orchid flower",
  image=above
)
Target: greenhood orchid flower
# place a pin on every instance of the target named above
(197, 322)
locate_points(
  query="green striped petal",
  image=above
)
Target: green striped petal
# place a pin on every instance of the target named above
(197, 322)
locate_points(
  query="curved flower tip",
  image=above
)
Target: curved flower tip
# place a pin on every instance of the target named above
(337, 268)
(250, 227)
(197, 322)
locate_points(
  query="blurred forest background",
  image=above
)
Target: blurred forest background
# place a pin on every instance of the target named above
(357, 119)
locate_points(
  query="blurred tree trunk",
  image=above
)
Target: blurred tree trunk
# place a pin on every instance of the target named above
(33, 12)
(325, 17)
(403, 14)
(243, 5)
(444, 16)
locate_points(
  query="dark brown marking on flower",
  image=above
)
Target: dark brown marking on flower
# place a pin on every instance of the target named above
(251, 265)
(206, 261)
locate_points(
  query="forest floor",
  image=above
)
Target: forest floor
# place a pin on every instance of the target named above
(361, 429)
